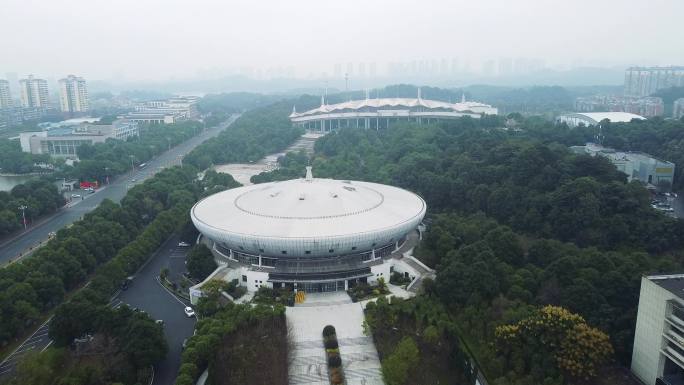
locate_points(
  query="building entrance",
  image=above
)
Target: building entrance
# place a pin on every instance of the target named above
(320, 287)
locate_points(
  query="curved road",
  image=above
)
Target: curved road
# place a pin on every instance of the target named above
(26, 241)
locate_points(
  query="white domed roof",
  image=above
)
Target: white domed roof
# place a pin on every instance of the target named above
(309, 216)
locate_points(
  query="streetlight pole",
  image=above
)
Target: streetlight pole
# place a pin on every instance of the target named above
(23, 214)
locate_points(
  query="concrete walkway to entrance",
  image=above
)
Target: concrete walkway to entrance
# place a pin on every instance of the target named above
(307, 358)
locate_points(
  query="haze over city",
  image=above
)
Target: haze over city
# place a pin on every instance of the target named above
(349, 192)
(160, 40)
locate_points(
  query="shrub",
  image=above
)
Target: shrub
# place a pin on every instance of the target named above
(336, 376)
(334, 361)
(431, 334)
(328, 331)
(331, 343)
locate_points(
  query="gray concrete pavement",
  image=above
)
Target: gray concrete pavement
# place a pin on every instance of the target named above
(27, 241)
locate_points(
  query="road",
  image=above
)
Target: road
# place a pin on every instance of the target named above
(144, 293)
(27, 241)
(147, 294)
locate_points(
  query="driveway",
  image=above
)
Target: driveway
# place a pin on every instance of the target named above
(147, 294)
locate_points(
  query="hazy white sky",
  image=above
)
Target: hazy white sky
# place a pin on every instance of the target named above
(161, 39)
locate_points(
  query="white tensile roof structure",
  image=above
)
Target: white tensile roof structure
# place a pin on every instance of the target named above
(593, 118)
(308, 216)
(408, 103)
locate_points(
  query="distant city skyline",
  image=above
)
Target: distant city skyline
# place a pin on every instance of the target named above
(311, 39)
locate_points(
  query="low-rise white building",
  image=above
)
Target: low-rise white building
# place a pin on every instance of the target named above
(636, 165)
(166, 111)
(658, 352)
(64, 141)
(594, 118)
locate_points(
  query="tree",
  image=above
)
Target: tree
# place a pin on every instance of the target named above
(74, 319)
(577, 349)
(398, 365)
(201, 262)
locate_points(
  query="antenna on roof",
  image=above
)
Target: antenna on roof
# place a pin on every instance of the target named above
(419, 93)
(346, 86)
(463, 97)
(294, 109)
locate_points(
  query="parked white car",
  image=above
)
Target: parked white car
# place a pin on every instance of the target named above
(189, 312)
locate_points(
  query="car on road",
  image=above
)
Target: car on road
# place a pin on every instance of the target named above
(126, 283)
(189, 312)
(183, 244)
(133, 180)
(75, 195)
(160, 322)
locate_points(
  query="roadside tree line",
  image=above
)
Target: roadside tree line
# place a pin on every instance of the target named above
(38, 196)
(110, 242)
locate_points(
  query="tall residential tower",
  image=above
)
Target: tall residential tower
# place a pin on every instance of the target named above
(73, 94)
(644, 81)
(34, 92)
(5, 96)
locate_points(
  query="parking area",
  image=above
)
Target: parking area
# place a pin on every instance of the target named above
(667, 203)
(38, 341)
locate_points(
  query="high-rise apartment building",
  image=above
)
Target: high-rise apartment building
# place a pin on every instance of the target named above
(73, 94)
(34, 92)
(678, 108)
(5, 95)
(644, 81)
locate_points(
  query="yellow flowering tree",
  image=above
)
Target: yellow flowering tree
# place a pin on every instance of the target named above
(577, 349)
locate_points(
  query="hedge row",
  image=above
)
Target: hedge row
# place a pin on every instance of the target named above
(332, 352)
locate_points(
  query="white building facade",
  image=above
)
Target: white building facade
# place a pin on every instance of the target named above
(34, 92)
(594, 118)
(64, 141)
(636, 165)
(658, 352)
(168, 111)
(5, 95)
(383, 112)
(678, 108)
(73, 94)
(308, 234)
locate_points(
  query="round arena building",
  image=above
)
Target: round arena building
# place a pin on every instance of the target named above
(309, 234)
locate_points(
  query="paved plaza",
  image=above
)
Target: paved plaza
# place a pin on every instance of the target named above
(307, 357)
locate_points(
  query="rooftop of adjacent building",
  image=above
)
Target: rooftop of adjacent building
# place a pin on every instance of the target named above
(595, 148)
(79, 127)
(656, 68)
(674, 283)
